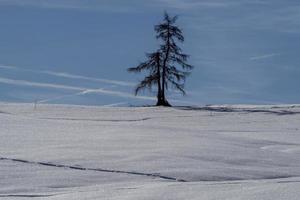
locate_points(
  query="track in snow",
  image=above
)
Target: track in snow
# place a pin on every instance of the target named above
(94, 169)
(239, 110)
(98, 120)
(25, 195)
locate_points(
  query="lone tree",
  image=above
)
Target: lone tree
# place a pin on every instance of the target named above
(162, 64)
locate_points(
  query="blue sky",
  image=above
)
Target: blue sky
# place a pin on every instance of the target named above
(77, 51)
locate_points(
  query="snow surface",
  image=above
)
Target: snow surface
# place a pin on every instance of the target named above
(216, 152)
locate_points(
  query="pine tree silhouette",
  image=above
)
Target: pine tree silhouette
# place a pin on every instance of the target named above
(169, 33)
(162, 64)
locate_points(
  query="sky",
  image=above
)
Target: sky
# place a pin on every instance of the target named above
(77, 51)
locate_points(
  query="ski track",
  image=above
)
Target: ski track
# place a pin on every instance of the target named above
(98, 120)
(4, 113)
(153, 175)
(239, 110)
(25, 195)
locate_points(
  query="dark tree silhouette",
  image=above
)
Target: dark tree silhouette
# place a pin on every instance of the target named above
(169, 33)
(153, 78)
(162, 64)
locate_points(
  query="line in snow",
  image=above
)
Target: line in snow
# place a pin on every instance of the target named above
(26, 195)
(98, 120)
(153, 175)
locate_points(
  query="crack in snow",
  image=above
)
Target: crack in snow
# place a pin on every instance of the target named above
(98, 120)
(153, 175)
(26, 195)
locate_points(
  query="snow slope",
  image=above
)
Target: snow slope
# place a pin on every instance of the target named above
(216, 152)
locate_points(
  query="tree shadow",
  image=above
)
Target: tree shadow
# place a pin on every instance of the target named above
(237, 110)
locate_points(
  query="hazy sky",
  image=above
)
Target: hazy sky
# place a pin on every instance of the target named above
(77, 51)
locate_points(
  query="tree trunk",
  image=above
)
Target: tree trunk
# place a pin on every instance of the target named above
(164, 101)
(159, 91)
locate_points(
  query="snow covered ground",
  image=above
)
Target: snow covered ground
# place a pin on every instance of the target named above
(217, 152)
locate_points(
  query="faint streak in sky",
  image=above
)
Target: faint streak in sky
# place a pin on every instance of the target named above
(66, 87)
(70, 76)
(265, 56)
(37, 84)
